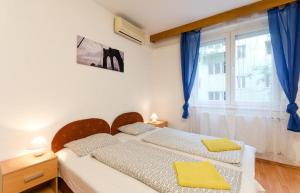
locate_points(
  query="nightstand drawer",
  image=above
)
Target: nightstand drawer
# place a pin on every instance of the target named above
(29, 177)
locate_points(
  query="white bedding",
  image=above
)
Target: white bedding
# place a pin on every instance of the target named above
(248, 157)
(191, 143)
(87, 175)
(154, 167)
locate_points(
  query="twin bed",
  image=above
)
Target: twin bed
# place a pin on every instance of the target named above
(89, 175)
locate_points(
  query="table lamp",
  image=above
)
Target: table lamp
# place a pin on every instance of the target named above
(38, 145)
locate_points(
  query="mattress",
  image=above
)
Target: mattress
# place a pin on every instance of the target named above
(87, 175)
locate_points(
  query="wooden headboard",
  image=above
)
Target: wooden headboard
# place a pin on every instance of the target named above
(125, 119)
(77, 130)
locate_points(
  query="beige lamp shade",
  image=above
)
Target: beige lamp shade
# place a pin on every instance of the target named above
(154, 117)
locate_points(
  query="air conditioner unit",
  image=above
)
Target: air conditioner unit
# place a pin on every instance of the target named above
(128, 30)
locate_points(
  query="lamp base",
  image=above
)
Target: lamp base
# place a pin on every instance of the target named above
(39, 153)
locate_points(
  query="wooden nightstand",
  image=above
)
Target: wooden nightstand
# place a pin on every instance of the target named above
(29, 174)
(159, 123)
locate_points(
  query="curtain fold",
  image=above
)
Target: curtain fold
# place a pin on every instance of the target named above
(189, 47)
(264, 130)
(284, 24)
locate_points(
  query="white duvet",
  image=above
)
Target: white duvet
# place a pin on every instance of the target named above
(87, 175)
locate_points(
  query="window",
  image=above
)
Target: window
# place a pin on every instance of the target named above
(241, 82)
(241, 51)
(211, 96)
(253, 71)
(236, 68)
(212, 71)
(216, 96)
(268, 47)
(216, 68)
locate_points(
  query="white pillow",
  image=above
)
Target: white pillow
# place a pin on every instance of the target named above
(84, 146)
(136, 128)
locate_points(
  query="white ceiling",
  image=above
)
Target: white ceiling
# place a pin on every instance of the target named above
(158, 15)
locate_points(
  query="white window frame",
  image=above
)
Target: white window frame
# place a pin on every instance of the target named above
(207, 38)
(228, 33)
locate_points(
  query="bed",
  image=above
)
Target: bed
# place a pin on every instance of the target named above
(73, 131)
(87, 175)
(248, 157)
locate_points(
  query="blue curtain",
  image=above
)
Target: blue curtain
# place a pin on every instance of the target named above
(284, 24)
(189, 46)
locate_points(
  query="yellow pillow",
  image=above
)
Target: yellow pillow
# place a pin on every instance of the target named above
(200, 175)
(218, 145)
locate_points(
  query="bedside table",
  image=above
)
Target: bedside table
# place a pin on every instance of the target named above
(159, 123)
(29, 174)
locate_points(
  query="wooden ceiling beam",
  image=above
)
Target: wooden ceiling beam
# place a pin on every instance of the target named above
(259, 6)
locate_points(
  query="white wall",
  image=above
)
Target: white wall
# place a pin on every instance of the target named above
(42, 87)
(168, 98)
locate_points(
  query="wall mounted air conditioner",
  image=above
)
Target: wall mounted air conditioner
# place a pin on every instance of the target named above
(128, 30)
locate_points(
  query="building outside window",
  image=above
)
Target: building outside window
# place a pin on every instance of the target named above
(237, 69)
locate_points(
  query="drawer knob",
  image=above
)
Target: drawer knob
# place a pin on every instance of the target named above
(33, 177)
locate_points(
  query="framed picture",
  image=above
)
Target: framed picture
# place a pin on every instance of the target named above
(92, 53)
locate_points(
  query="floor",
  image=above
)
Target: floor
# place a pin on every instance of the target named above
(277, 178)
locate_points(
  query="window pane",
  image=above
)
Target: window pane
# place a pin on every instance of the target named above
(210, 96)
(223, 67)
(217, 68)
(211, 71)
(268, 47)
(217, 96)
(241, 51)
(253, 68)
